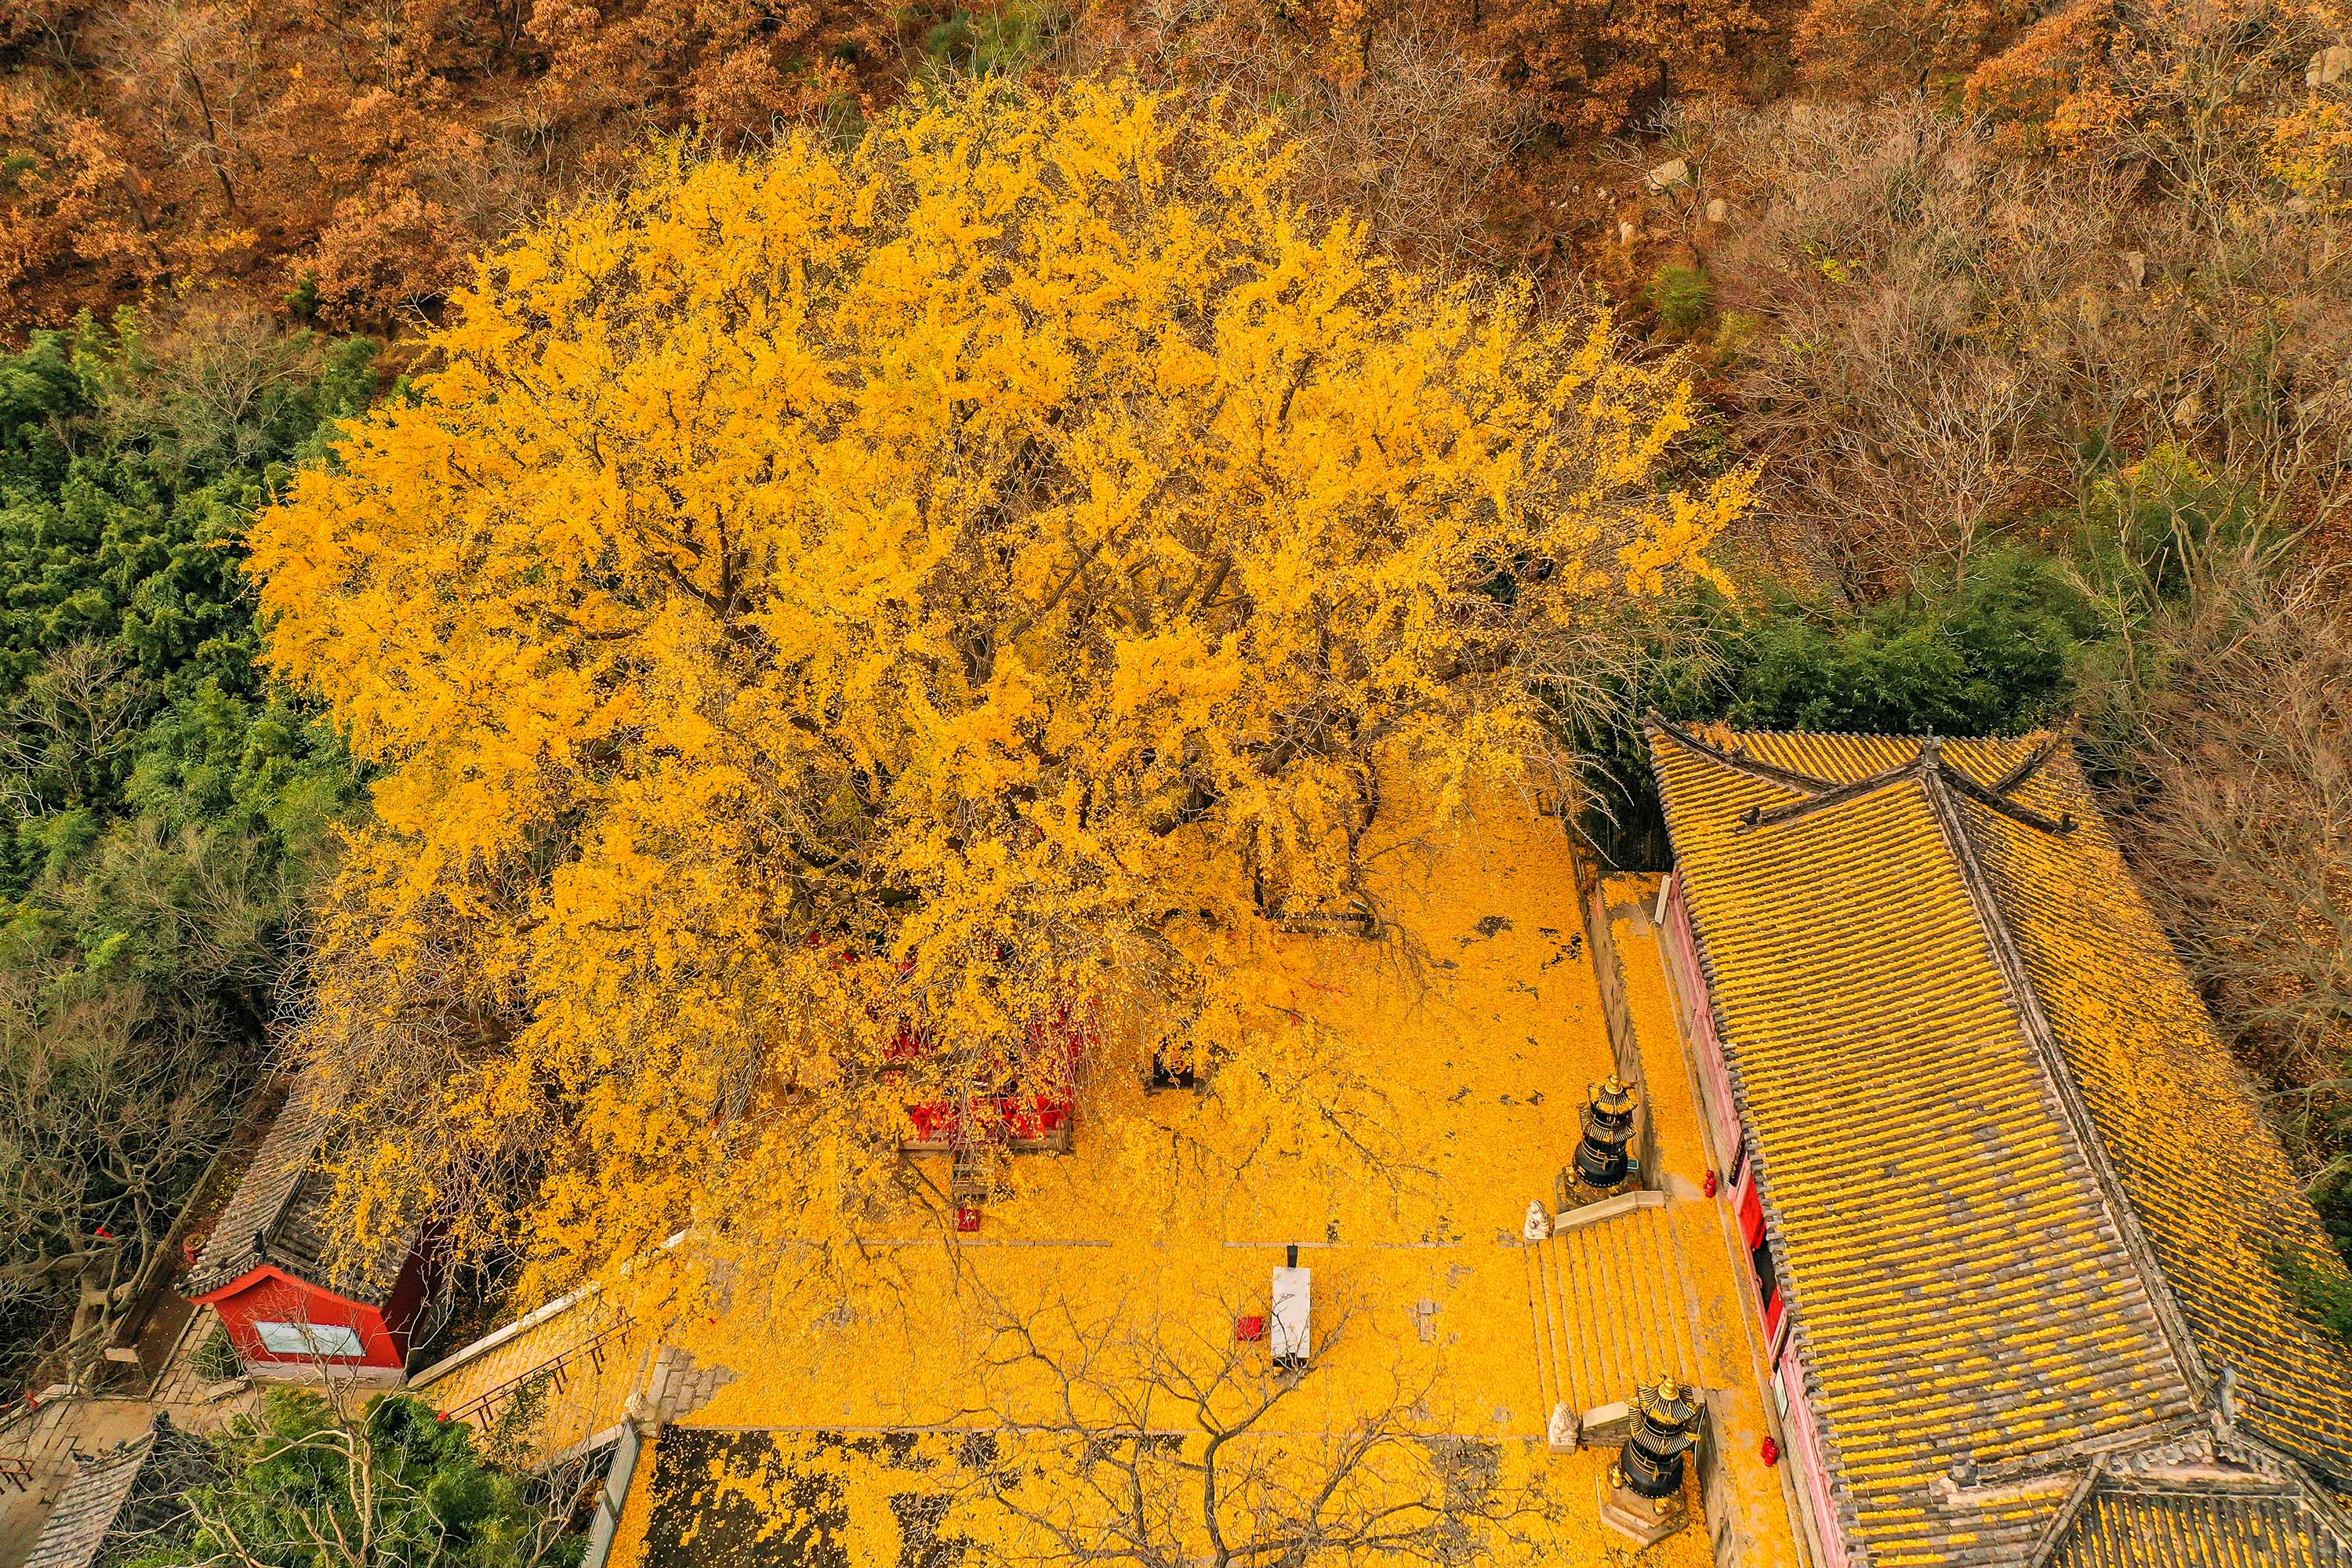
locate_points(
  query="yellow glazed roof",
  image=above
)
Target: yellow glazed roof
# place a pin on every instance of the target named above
(2023, 1199)
(2132, 1524)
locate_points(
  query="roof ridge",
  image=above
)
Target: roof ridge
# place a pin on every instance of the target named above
(2029, 767)
(1994, 799)
(1739, 761)
(2073, 1113)
(1928, 757)
(2052, 738)
(311, 1138)
(1756, 817)
(2068, 1513)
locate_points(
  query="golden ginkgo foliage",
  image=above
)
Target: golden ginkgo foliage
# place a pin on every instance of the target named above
(842, 630)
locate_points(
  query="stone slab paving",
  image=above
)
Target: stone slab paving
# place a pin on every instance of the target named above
(68, 1428)
(1756, 1526)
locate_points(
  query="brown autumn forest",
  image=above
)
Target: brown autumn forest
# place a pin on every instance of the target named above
(2034, 318)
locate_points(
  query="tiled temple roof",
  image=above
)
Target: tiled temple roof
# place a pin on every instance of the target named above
(88, 1507)
(2023, 1202)
(2122, 1523)
(281, 1213)
(114, 1504)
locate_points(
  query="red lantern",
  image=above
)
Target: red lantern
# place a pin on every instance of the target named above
(967, 1220)
(1711, 1184)
(1771, 1450)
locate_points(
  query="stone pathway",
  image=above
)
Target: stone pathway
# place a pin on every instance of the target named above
(572, 1368)
(1753, 1510)
(69, 1426)
(1614, 1306)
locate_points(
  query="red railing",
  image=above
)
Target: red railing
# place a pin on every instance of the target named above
(16, 1469)
(1034, 1120)
(1026, 1122)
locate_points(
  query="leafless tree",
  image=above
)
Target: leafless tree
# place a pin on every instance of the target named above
(104, 1116)
(2233, 746)
(1412, 145)
(74, 723)
(186, 71)
(1160, 1439)
(1948, 343)
(208, 370)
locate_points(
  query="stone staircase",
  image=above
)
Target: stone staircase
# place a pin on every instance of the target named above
(1612, 1301)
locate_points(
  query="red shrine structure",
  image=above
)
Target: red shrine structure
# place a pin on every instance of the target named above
(292, 1298)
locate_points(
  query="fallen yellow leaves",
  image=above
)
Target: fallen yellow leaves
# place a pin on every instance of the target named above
(985, 586)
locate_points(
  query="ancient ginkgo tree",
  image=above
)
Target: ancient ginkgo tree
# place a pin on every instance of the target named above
(847, 629)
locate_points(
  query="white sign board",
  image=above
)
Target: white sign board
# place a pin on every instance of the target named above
(332, 1342)
(1292, 1332)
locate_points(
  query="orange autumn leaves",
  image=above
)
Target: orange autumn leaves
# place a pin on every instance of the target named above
(828, 597)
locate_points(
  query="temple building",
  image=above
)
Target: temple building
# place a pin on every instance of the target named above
(1871, 1192)
(2015, 1224)
(111, 1506)
(294, 1297)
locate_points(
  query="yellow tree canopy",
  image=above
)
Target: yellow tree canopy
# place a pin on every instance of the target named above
(956, 590)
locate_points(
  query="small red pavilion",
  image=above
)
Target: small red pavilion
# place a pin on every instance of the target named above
(290, 1299)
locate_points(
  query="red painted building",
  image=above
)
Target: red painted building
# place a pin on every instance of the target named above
(289, 1295)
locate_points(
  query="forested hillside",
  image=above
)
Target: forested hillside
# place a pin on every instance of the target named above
(160, 805)
(2024, 328)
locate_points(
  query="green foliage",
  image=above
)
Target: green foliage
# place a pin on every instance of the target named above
(510, 1436)
(1991, 652)
(125, 479)
(402, 1486)
(2333, 1199)
(2152, 532)
(842, 121)
(215, 1359)
(2327, 1295)
(951, 40)
(126, 625)
(160, 808)
(1733, 333)
(1684, 298)
(2184, 562)
(993, 42)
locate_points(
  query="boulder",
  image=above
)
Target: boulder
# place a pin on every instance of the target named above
(1669, 174)
(2328, 67)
